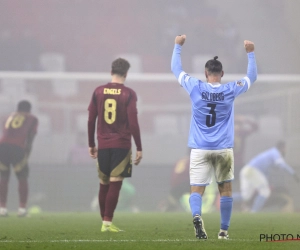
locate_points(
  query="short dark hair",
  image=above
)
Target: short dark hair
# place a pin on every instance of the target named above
(120, 67)
(24, 106)
(214, 66)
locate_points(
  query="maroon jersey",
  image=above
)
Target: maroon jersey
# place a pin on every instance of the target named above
(18, 127)
(115, 106)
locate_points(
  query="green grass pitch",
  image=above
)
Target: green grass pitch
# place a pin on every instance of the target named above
(144, 231)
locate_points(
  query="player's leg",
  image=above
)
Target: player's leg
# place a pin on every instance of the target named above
(247, 185)
(111, 202)
(22, 176)
(4, 178)
(20, 164)
(224, 173)
(120, 167)
(237, 195)
(226, 203)
(262, 186)
(200, 177)
(103, 174)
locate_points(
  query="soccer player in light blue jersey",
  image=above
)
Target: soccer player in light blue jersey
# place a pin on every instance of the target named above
(254, 177)
(211, 134)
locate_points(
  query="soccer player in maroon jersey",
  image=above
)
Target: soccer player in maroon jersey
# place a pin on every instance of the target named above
(15, 147)
(115, 107)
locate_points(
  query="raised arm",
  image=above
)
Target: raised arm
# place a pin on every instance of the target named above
(176, 65)
(252, 68)
(185, 80)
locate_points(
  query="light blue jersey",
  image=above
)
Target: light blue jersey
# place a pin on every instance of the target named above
(268, 159)
(212, 121)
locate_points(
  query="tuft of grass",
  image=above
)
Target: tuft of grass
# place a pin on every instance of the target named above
(145, 231)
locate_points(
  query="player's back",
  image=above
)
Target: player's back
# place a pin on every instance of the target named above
(112, 101)
(17, 128)
(265, 160)
(212, 111)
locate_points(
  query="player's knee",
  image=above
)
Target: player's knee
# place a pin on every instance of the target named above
(117, 178)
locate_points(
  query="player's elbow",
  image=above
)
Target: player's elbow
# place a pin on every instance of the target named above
(252, 77)
(176, 70)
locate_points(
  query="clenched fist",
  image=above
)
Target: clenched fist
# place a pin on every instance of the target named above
(180, 39)
(249, 46)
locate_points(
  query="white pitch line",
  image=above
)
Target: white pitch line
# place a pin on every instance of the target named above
(78, 241)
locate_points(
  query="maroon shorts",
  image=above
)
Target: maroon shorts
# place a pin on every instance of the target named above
(13, 155)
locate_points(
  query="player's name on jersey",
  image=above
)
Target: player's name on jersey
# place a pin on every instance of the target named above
(212, 96)
(107, 91)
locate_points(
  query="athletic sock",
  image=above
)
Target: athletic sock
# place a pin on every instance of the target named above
(3, 191)
(225, 209)
(103, 189)
(112, 200)
(23, 192)
(107, 223)
(195, 204)
(258, 203)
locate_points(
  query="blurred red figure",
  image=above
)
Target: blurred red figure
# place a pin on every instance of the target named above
(15, 147)
(243, 127)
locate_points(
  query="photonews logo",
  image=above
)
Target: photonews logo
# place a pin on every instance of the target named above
(278, 237)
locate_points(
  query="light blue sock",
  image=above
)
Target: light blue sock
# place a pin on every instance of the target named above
(195, 203)
(226, 209)
(258, 203)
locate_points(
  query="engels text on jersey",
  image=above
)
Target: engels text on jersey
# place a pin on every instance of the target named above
(107, 91)
(207, 96)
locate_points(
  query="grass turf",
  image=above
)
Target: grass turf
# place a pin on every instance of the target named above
(144, 231)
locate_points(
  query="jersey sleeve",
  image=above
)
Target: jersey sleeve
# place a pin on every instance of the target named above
(133, 120)
(92, 120)
(184, 79)
(242, 85)
(35, 124)
(280, 162)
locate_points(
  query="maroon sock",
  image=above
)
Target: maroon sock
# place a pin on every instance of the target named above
(23, 192)
(3, 191)
(102, 197)
(112, 199)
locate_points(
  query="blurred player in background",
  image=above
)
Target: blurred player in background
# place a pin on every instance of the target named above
(178, 185)
(15, 147)
(212, 132)
(243, 127)
(178, 196)
(254, 176)
(115, 107)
